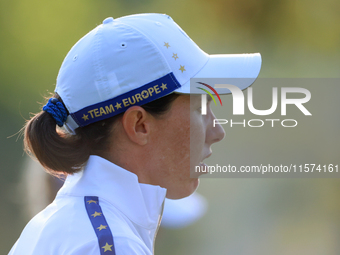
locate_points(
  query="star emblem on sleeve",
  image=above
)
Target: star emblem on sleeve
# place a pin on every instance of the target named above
(85, 117)
(101, 227)
(174, 56)
(96, 214)
(107, 247)
(166, 45)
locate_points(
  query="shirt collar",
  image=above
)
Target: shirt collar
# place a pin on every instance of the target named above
(141, 203)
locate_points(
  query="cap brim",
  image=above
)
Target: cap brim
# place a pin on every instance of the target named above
(236, 69)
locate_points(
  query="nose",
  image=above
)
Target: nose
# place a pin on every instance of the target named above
(215, 133)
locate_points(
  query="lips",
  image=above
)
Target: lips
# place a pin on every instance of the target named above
(204, 165)
(205, 158)
(195, 173)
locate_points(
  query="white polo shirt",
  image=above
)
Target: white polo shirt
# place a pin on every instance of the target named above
(101, 210)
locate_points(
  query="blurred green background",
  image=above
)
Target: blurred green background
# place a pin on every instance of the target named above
(297, 38)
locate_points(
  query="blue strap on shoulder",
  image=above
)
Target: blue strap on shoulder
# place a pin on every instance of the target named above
(57, 110)
(100, 226)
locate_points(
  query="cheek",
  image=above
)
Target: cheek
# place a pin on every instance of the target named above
(197, 128)
(197, 138)
(181, 138)
(174, 143)
(180, 146)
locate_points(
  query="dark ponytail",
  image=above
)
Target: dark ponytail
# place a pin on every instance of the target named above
(63, 153)
(54, 149)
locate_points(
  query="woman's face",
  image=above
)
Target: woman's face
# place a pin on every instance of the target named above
(183, 139)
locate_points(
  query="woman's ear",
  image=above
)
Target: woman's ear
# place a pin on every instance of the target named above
(136, 123)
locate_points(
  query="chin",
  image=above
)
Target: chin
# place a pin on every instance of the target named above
(185, 192)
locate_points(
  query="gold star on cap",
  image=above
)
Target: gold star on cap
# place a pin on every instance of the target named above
(174, 56)
(96, 214)
(107, 247)
(182, 69)
(102, 227)
(163, 86)
(166, 45)
(118, 105)
(85, 117)
(92, 201)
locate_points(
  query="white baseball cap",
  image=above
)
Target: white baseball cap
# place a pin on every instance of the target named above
(136, 59)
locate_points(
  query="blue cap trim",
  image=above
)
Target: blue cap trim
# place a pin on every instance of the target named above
(142, 95)
(100, 226)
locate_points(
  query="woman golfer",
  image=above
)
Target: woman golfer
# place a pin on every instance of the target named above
(126, 118)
